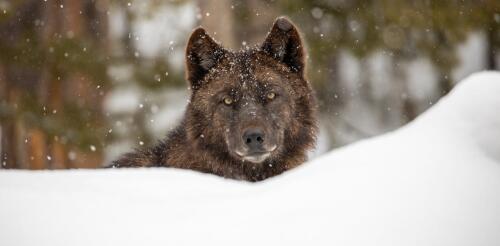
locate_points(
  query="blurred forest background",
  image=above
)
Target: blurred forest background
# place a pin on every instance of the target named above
(82, 81)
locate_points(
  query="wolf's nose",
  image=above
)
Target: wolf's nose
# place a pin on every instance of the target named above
(254, 138)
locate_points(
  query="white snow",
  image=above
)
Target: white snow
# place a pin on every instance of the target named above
(435, 181)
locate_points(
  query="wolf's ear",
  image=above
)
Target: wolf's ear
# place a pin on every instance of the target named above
(202, 53)
(283, 43)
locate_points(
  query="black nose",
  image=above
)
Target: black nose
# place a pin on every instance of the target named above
(254, 138)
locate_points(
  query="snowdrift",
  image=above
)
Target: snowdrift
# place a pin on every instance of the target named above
(435, 181)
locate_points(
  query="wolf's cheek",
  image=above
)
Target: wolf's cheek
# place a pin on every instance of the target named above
(222, 126)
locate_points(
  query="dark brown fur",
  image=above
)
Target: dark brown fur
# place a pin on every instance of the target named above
(209, 137)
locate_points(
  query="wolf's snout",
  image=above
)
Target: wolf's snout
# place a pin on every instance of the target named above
(254, 139)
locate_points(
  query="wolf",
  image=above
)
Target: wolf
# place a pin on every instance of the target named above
(251, 114)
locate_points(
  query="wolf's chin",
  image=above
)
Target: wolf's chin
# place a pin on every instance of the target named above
(253, 157)
(256, 158)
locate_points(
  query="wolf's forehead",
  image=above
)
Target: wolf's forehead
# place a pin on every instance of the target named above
(245, 78)
(246, 68)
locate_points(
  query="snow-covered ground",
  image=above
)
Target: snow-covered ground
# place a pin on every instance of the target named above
(435, 181)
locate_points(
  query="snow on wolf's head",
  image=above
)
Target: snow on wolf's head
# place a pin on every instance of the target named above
(253, 106)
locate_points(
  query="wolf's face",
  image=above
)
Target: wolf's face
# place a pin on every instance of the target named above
(251, 105)
(248, 104)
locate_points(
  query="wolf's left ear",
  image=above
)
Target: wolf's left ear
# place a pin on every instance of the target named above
(284, 44)
(202, 53)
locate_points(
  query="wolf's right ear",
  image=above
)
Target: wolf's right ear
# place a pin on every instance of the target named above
(202, 54)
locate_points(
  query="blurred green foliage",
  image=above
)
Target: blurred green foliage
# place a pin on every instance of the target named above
(404, 28)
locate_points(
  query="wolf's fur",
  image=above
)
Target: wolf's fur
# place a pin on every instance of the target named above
(268, 93)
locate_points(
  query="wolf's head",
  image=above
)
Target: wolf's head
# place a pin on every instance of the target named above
(254, 105)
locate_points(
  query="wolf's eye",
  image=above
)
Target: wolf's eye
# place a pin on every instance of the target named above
(227, 100)
(271, 95)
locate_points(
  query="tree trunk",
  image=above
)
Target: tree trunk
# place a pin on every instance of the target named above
(58, 153)
(444, 82)
(9, 158)
(8, 146)
(492, 32)
(57, 149)
(10, 134)
(402, 96)
(3, 136)
(216, 16)
(253, 19)
(37, 149)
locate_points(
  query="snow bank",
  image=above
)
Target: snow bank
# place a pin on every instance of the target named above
(436, 181)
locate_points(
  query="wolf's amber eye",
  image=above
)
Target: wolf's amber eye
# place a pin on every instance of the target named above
(228, 100)
(271, 95)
